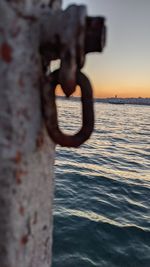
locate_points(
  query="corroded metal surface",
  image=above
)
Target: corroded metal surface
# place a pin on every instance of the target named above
(50, 111)
(26, 151)
(62, 36)
(71, 36)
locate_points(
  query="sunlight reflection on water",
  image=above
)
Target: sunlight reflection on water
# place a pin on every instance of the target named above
(101, 208)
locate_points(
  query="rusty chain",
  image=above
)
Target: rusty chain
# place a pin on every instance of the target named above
(51, 117)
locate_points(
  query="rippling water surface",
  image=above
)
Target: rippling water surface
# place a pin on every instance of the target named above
(102, 190)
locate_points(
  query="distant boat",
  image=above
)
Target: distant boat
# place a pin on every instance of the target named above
(116, 101)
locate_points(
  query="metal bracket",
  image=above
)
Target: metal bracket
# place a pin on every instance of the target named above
(69, 35)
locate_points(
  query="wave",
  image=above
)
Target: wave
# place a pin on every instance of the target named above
(101, 206)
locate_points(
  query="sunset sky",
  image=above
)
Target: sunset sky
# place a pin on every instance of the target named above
(123, 68)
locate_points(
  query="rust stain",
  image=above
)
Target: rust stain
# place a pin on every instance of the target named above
(18, 157)
(18, 178)
(6, 52)
(24, 240)
(19, 174)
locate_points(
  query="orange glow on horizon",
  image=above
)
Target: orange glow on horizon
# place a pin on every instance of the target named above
(109, 92)
(123, 92)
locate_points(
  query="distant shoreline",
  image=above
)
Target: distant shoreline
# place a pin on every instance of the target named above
(122, 101)
(117, 101)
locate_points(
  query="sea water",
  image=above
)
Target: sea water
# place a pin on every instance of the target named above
(102, 189)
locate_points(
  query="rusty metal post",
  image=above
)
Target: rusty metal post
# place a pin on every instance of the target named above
(26, 152)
